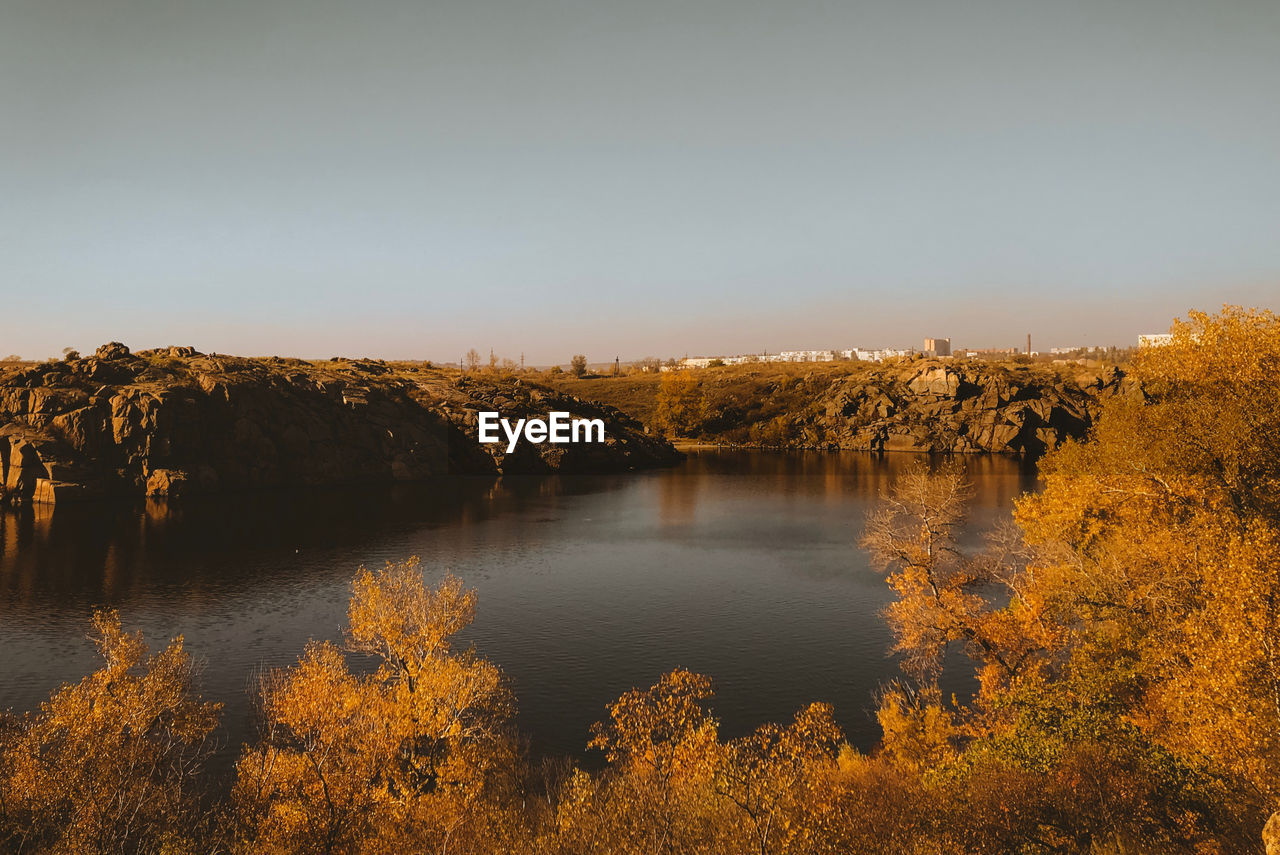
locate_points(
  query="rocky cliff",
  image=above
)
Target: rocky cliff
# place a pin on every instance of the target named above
(174, 421)
(964, 407)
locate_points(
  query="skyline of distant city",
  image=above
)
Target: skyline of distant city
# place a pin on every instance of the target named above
(932, 346)
(868, 353)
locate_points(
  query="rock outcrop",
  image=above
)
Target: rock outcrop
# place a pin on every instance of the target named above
(174, 421)
(1271, 835)
(940, 406)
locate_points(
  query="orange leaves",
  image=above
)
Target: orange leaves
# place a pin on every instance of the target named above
(316, 776)
(772, 774)
(401, 757)
(672, 786)
(110, 764)
(679, 407)
(663, 752)
(1155, 545)
(1237, 346)
(393, 615)
(1215, 389)
(662, 719)
(943, 595)
(1141, 632)
(319, 698)
(918, 732)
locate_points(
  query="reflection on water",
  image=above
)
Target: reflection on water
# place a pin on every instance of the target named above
(742, 565)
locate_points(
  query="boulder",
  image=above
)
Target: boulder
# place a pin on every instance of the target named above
(110, 351)
(1271, 834)
(23, 469)
(166, 483)
(937, 382)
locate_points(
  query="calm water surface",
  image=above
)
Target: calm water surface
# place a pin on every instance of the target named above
(741, 565)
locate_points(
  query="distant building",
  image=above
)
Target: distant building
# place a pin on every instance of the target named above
(808, 355)
(696, 361)
(937, 346)
(882, 355)
(988, 352)
(1155, 340)
(799, 356)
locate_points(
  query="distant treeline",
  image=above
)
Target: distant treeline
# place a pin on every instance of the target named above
(1124, 626)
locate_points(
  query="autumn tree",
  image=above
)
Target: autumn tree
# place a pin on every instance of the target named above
(773, 777)
(679, 407)
(578, 365)
(1128, 629)
(919, 733)
(1061, 699)
(944, 595)
(662, 749)
(111, 764)
(1157, 544)
(412, 757)
(1211, 405)
(672, 786)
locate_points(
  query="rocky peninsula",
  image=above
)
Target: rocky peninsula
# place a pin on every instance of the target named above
(174, 421)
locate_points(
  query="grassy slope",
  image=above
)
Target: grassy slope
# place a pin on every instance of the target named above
(737, 396)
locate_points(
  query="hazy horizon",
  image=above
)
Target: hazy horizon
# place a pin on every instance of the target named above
(410, 180)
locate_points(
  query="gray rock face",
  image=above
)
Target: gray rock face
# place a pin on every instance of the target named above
(174, 422)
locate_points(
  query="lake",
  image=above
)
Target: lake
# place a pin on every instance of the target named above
(742, 565)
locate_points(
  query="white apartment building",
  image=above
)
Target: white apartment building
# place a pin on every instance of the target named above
(1155, 340)
(796, 356)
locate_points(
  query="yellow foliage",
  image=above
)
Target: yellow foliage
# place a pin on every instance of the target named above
(111, 763)
(1128, 634)
(944, 596)
(1156, 545)
(918, 732)
(408, 756)
(680, 405)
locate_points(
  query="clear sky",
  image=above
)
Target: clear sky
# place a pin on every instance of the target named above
(408, 179)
